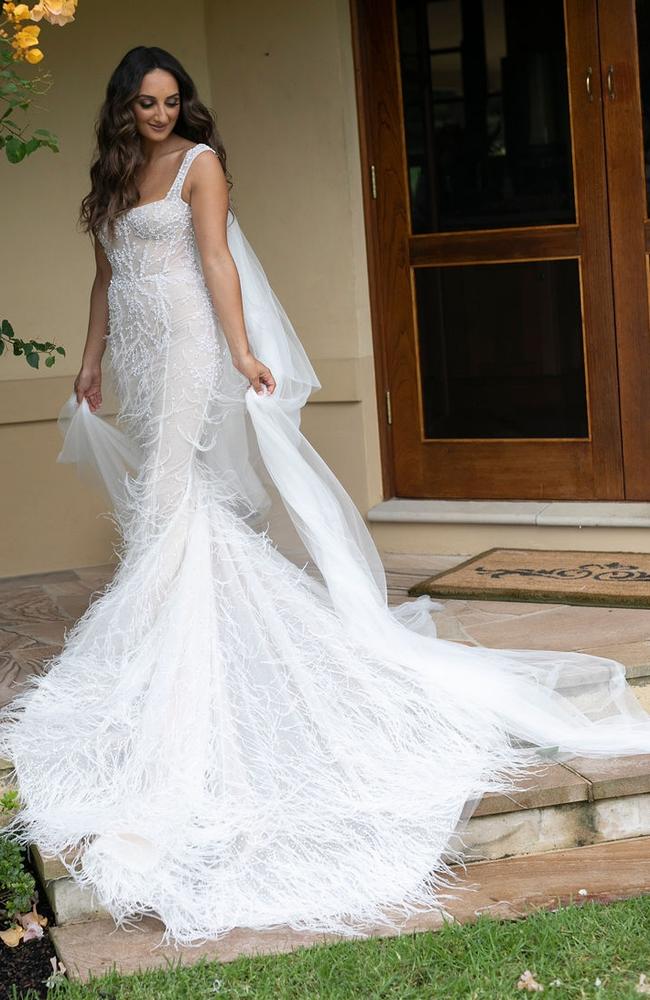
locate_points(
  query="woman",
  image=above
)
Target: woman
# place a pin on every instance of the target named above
(228, 739)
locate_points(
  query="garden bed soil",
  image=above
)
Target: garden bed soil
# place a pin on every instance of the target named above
(28, 965)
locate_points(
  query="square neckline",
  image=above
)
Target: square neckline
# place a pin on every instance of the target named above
(159, 201)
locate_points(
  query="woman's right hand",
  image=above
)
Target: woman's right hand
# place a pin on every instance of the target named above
(256, 372)
(88, 385)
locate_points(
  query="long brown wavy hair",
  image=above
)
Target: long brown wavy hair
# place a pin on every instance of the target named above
(119, 148)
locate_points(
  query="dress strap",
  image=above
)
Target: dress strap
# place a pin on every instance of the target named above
(186, 163)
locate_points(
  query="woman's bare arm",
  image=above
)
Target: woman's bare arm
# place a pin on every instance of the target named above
(88, 382)
(208, 197)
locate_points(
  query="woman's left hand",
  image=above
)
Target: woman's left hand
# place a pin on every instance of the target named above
(257, 373)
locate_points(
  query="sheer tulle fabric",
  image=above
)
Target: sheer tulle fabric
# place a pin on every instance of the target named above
(240, 731)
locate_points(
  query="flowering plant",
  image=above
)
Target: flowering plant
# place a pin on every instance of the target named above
(19, 42)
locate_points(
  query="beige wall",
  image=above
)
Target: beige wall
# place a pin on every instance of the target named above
(283, 91)
(280, 79)
(51, 521)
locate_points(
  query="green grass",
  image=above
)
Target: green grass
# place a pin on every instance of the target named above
(480, 961)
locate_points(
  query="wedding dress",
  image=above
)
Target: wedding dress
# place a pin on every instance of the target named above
(240, 731)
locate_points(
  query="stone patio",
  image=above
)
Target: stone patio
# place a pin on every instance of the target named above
(36, 610)
(505, 890)
(602, 803)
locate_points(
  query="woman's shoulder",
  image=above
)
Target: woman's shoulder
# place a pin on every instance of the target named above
(189, 149)
(197, 145)
(191, 156)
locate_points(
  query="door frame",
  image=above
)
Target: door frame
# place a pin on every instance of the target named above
(362, 59)
(392, 250)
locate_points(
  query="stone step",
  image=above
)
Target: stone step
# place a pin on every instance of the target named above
(615, 633)
(581, 801)
(505, 890)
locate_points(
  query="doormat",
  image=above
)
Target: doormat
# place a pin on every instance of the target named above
(612, 579)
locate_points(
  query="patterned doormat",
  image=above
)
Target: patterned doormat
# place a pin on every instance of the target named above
(613, 579)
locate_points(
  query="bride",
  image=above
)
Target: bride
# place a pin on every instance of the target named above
(239, 731)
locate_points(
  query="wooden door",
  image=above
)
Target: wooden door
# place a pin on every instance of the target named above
(489, 248)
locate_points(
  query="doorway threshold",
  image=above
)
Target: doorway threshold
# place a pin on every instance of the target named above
(572, 513)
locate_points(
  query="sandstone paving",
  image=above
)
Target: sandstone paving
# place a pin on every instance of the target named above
(40, 608)
(563, 627)
(36, 579)
(613, 776)
(635, 655)
(643, 696)
(555, 785)
(507, 889)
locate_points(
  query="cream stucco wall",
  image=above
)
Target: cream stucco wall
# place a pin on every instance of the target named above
(280, 78)
(50, 520)
(283, 91)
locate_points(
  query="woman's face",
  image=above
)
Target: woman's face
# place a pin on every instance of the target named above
(157, 105)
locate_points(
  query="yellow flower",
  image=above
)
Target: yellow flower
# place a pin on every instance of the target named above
(55, 11)
(33, 55)
(26, 37)
(16, 12)
(8, 9)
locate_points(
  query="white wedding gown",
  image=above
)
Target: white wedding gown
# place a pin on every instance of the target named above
(240, 731)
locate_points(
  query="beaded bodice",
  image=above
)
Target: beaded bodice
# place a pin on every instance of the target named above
(155, 238)
(165, 344)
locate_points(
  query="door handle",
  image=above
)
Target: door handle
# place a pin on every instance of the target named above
(588, 78)
(611, 92)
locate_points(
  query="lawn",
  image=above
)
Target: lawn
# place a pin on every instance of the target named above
(592, 950)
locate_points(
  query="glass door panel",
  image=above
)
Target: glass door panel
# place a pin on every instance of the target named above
(486, 113)
(514, 369)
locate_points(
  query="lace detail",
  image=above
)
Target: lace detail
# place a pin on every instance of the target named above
(165, 343)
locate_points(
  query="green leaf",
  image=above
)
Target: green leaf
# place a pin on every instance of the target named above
(50, 361)
(32, 359)
(48, 139)
(15, 149)
(7, 329)
(10, 799)
(31, 145)
(18, 349)
(2, 346)
(60, 350)
(8, 88)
